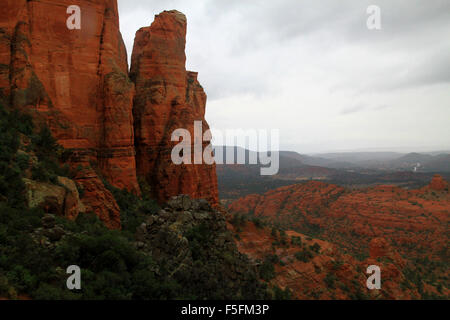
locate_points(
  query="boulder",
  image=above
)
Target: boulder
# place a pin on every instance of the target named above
(47, 196)
(62, 200)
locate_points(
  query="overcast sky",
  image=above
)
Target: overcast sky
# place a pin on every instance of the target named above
(315, 71)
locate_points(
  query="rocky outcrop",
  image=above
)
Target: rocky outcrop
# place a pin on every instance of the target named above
(62, 199)
(168, 98)
(191, 241)
(438, 183)
(72, 203)
(98, 199)
(49, 233)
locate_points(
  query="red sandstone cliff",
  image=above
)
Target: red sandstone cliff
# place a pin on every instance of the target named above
(167, 98)
(76, 82)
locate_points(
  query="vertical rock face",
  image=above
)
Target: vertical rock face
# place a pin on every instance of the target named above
(75, 81)
(167, 98)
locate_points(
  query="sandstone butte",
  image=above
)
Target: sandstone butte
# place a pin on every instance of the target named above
(77, 83)
(168, 98)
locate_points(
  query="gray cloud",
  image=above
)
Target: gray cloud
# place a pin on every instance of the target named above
(231, 32)
(353, 109)
(314, 59)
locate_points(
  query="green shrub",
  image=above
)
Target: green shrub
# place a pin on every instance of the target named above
(239, 220)
(133, 209)
(274, 232)
(315, 247)
(280, 294)
(296, 241)
(267, 269)
(330, 280)
(304, 255)
(11, 185)
(259, 223)
(23, 161)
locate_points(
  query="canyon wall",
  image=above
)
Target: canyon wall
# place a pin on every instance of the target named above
(76, 82)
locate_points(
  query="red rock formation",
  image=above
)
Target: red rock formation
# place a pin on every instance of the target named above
(167, 98)
(76, 82)
(413, 222)
(98, 199)
(328, 274)
(353, 218)
(438, 183)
